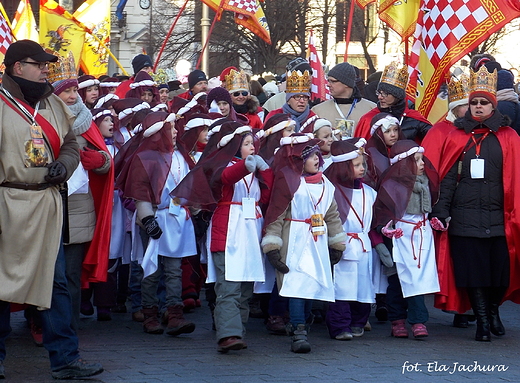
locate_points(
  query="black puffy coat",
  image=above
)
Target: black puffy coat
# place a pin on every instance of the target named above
(412, 129)
(476, 206)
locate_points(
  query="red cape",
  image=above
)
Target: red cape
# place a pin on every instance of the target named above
(363, 126)
(450, 297)
(434, 139)
(95, 264)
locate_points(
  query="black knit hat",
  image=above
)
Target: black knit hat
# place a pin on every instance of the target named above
(196, 76)
(140, 61)
(344, 73)
(22, 49)
(395, 91)
(505, 80)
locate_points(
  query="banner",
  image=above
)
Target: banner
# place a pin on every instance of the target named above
(95, 15)
(6, 35)
(24, 24)
(319, 87)
(59, 31)
(400, 15)
(445, 32)
(248, 13)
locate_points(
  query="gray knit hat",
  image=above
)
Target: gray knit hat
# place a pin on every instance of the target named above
(345, 73)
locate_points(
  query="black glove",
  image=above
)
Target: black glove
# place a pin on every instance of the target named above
(57, 173)
(335, 255)
(152, 227)
(275, 259)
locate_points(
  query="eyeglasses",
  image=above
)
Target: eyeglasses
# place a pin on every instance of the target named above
(381, 93)
(241, 93)
(301, 97)
(40, 65)
(481, 102)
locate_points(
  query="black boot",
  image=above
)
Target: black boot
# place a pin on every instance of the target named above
(479, 302)
(495, 298)
(460, 321)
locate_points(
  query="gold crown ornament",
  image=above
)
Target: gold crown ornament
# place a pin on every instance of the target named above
(298, 82)
(160, 77)
(458, 89)
(236, 81)
(63, 69)
(483, 81)
(394, 75)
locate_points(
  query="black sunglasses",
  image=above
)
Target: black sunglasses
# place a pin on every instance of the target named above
(243, 93)
(481, 102)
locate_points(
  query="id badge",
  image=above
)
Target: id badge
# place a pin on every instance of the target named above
(317, 224)
(37, 137)
(476, 168)
(248, 208)
(175, 207)
(346, 127)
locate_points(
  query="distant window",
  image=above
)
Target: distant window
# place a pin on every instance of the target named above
(362, 18)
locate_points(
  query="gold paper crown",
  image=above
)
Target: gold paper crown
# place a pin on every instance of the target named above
(298, 82)
(458, 89)
(394, 75)
(63, 69)
(236, 81)
(483, 81)
(160, 77)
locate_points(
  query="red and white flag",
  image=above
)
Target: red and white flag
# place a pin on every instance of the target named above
(6, 36)
(446, 30)
(319, 87)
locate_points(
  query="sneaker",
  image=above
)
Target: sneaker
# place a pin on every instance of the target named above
(36, 333)
(103, 314)
(119, 309)
(399, 329)
(419, 330)
(344, 336)
(2, 370)
(86, 308)
(189, 304)
(358, 331)
(78, 369)
(368, 326)
(230, 343)
(276, 324)
(138, 316)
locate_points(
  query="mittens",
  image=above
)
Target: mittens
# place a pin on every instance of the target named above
(260, 163)
(91, 159)
(384, 255)
(388, 232)
(251, 163)
(437, 224)
(335, 255)
(275, 259)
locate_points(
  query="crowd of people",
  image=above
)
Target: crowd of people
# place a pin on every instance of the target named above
(138, 195)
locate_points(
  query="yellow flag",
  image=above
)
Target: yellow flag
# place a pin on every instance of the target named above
(59, 31)
(24, 24)
(95, 15)
(400, 15)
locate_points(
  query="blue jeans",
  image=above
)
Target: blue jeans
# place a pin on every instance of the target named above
(412, 308)
(59, 338)
(299, 310)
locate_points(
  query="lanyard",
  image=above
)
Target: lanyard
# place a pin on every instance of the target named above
(479, 143)
(315, 205)
(248, 187)
(352, 106)
(360, 219)
(31, 117)
(174, 155)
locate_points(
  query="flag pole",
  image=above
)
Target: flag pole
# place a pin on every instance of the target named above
(349, 29)
(205, 43)
(168, 35)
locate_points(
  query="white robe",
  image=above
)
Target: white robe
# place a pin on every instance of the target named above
(310, 274)
(178, 237)
(243, 254)
(414, 256)
(353, 274)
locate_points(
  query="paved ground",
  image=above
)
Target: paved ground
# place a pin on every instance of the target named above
(129, 355)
